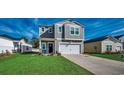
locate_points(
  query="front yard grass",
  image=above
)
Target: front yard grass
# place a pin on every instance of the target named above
(110, 56)
(26, 64)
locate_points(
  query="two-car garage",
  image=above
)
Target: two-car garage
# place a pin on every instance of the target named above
(70, 48)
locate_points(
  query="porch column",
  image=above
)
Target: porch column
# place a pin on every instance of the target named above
(47, 47)
(21, 48)
(55, 46)
(40, 49)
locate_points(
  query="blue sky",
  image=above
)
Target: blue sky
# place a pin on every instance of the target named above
(28, 27)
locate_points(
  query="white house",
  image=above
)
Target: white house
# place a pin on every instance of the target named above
(11, 44)
(6, 44)
(25, 47)
(111, 44)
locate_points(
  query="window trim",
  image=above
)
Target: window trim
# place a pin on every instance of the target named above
(16, 44)
(75, 31)
(71, 31)
(59, 29)
(78, 31)
(50, 31)
(108, 47)
(42, 44)
(42, 29)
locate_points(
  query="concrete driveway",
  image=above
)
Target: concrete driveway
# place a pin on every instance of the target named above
(98, 66)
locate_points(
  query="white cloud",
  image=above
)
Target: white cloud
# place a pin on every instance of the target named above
(117, 31)
(33, 32)
(9, 30)
(6, 29)
(96, 24)
(27, 34)
(18, 32)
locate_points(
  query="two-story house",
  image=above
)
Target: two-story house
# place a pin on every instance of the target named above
(65, 37)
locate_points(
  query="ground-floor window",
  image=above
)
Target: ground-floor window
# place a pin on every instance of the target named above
(95, 48)
(109, 47)
(43, 46)
(27, 48)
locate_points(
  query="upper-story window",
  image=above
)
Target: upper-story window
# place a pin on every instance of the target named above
(50, 30)
(60, 28)
(77, 31)
(43, 29)
(72, 30)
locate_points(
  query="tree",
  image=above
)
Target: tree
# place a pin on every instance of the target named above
(35, 42)
(26, 40)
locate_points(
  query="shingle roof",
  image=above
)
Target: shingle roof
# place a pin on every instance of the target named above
(118, 36)
(96, 39)
(101, 39)
(71, 20)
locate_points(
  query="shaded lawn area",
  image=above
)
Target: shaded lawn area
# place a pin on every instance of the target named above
(26, 64)
(110, 56)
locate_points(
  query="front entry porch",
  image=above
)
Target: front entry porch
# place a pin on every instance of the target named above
(47, 47)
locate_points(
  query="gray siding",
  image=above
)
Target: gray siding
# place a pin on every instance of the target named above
(46, 34)
(57, 33)
(65, 34)
(66, 31)
(68, 34)
(121, 39)
(63, 37)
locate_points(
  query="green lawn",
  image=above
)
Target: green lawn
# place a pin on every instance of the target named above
(26, 64)
(110, 56)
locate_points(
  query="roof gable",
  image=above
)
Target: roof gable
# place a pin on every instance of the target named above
(119, 36)
(69, 21)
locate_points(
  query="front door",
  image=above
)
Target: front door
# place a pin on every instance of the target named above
(50, 48)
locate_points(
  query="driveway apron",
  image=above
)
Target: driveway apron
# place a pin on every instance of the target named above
(98, 66)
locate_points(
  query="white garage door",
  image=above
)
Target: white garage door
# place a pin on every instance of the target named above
(69, 49)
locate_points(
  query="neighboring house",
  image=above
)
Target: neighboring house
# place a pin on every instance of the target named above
(24, 46)
(121, 38)
(65, 37)
(11, 44)
(6, 43)
(102, 45)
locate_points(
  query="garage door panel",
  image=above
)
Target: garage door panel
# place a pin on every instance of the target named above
(69, 49)
(64, 49)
